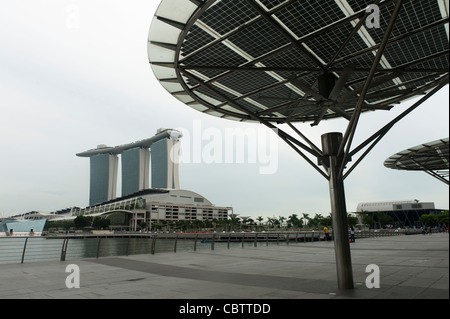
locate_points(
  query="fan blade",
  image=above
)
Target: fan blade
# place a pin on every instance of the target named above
(298, 113)
(375, 83)
(343, 78)
(378, 107)
(306, 89)
(338, 110)
(320, 116)
(387, 94)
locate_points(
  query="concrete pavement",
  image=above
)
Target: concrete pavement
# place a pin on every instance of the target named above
(411, 267)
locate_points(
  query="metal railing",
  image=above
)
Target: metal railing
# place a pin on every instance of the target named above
(61, 247)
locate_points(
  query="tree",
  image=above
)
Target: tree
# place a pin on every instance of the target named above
(273, 222)
(328, 221)
(100, 223)
(306, 218)
(352, 220)
(367, 220)
(294, 221)
(384, 219)
(259, 219)
(143, 225)
(281, 220)
(443, 218)
(235, 221)
(82, 221)
(434, 219)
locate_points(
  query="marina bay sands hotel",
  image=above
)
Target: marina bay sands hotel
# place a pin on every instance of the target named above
(161, 151)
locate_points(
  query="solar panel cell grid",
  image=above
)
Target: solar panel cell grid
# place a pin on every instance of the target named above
(247, 53)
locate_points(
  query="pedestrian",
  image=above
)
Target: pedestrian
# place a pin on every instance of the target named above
(352, 234)
(327, 235)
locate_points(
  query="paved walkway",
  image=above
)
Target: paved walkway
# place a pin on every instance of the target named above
(410, 267)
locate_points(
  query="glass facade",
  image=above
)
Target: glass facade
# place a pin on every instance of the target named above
(135, 170)
(103, 177)
(160, 165)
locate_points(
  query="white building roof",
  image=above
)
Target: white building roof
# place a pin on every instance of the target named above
(389, 205)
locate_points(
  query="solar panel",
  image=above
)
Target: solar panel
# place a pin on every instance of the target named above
(287, 61)
(432, 158)
(295, 60)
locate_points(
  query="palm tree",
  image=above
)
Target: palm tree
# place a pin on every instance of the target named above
(234, 221)
(306, 218)
(271, 222)
(281, 219)
(294, 221)
(260, 219)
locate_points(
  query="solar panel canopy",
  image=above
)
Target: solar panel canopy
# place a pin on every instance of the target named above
(433, 156)
(283, 61)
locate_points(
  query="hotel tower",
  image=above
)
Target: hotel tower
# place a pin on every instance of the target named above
(162, 151)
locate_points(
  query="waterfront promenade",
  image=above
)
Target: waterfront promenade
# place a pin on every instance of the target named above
(411, 267)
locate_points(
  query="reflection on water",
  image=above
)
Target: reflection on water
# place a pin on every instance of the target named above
(40, 249)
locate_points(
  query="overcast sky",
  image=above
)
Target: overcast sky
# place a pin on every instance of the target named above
(75, 74)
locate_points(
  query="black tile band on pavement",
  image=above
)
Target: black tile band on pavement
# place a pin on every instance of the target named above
(267, 281)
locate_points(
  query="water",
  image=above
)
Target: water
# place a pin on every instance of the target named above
(44, 249)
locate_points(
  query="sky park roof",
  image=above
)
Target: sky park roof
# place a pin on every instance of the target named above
(103, 149)
(286, 61)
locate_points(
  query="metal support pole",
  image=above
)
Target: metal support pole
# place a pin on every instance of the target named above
(128, 246)
(153, 248)
(64, 249)
(98, 246)
(175, 245)
(330, 144)
(24, 248)
(195, 242)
